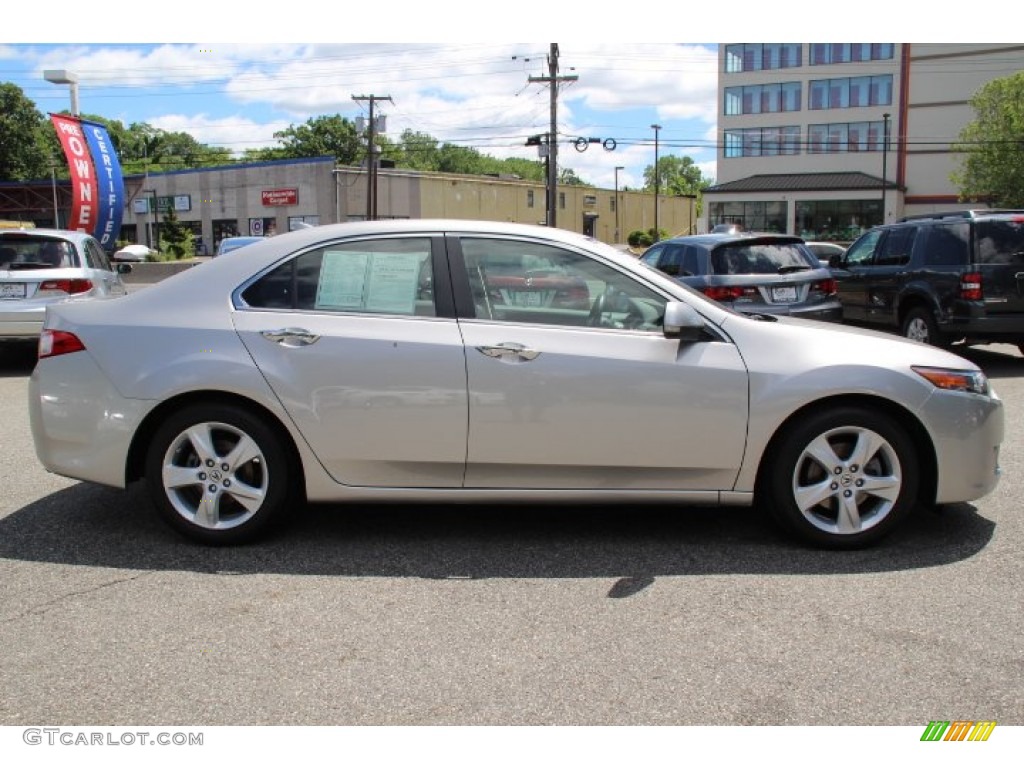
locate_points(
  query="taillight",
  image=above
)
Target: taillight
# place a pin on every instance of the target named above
(828, 287)
(53, 343)
(727, 292)
(970, 286)
(54, 287)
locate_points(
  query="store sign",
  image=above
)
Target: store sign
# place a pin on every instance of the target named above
(275, 197)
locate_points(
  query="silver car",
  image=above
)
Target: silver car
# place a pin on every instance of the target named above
(401, 361)
(752, 273)
(39, 267)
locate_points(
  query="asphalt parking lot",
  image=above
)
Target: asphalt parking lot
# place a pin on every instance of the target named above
(502, 615)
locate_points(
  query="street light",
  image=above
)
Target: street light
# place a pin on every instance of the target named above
(657, 184)
(617, 169)
(885, 156)
(65, 77)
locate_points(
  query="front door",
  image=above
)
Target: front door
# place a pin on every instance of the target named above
(572, 384)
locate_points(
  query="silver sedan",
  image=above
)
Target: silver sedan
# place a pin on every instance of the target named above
(478, 361)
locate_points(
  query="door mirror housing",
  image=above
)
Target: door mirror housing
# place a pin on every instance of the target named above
(682, 322)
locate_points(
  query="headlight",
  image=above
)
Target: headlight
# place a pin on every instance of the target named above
(957, 380)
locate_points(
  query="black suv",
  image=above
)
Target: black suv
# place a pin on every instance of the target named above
(939, 278)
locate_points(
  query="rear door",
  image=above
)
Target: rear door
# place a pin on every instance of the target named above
(888, 273)
(359, 342)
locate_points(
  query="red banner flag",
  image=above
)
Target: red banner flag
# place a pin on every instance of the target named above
(83, 174)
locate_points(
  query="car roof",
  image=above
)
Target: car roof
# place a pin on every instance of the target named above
(714, 239)
(61, 234)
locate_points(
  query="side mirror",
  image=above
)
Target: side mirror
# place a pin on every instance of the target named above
(835, 261)
(682, 322)
(123, 268)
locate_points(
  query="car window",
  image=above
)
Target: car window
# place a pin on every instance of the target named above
(95, 256)
(671, 262)
(33, 251)
(946, 245)
(652, 255)
(862, 252)
(759, 258)
(526, 282)
(894, 249)
(392, 276)
(691, 261)
(1000, 242)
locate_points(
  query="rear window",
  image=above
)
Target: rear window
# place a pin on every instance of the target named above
(947, 245)
(760, 259)
(33, 252)
(1000, 242)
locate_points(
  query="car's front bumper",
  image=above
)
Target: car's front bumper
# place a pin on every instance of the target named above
(967, 431)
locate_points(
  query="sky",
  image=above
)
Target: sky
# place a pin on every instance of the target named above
(262, 71)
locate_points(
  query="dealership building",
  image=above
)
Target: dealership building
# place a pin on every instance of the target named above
(272, 197)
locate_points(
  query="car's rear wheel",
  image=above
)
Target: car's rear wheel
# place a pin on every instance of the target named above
(217, 474)
(843, 478)
(919, 325)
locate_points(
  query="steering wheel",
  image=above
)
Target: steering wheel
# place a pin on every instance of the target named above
(597, 310)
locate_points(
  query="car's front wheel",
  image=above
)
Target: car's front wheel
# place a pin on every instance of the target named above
(217, 473)
(843, 478)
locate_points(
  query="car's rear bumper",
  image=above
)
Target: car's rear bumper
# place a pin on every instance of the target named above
(1008, 327)
(22, 323)
(82, 431)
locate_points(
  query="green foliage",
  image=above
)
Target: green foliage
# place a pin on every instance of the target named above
(992, 168)
(175, 237)
(320, 136)
(679, 176)
(24, 154)
(640, 239)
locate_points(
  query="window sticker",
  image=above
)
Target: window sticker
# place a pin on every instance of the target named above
(371, 282)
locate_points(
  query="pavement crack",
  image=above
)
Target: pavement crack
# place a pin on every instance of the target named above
(47, 605)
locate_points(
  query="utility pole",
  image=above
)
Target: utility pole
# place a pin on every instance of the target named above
(371, 165)
(553, 79)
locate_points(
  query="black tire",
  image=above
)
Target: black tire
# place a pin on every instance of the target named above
(249, 491)
(842, 478)
(919, 325)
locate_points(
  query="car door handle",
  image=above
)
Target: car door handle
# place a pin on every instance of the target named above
(291, 337)
(509, 351)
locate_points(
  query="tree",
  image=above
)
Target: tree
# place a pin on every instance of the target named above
(993, 145)
(323, 135)
(175, 237)
(23, 152)
(679, 176)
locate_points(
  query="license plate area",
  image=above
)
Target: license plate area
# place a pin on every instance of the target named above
(784, 295)
(12, 290)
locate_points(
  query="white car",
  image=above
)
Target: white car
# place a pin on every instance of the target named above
(39, 267)
(450, 361)
(133, 253)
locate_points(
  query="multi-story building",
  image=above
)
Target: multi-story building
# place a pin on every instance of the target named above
(813, 136)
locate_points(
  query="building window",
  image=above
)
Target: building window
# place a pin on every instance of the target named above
(832, 138)
(763, 142)
(842, 92)
(755, 57)
(843, 53)
(561, 200)
(529, 198)
(611, 203)
(757, 99)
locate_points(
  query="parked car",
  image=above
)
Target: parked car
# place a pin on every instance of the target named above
(229, 244)
(137, 253)
(940, 278)
(753, 273)
(324, 367)
(825, 252)
(39, 267)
